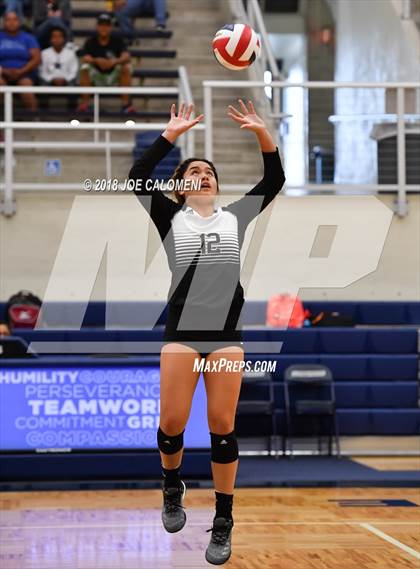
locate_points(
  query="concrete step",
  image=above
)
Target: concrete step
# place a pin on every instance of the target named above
(154, 82)
(154, 63)
(90, 4)
(184, 9)
(90, 23)
(201, 59)
(144, 33)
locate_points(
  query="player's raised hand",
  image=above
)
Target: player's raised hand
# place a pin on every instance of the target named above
(181, 122)
(247, 117)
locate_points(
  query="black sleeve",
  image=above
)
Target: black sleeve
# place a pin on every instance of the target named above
(118, 45)
(88, 48)
(263, 193)
(123, 45)
(160, 207)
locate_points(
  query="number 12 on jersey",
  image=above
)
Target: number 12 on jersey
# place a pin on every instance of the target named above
(209, 243)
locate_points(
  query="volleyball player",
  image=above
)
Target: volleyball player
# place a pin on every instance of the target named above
(202, 242)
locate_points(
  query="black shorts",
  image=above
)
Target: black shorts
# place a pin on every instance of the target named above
(204, 347)
(202, 341)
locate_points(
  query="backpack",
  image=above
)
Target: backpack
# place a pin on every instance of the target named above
(285, 311)
(22, 309)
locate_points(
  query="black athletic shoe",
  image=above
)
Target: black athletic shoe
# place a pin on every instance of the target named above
(219, 548)
(173, 515)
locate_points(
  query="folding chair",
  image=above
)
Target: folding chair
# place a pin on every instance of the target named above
(309, 393)
(258, 407)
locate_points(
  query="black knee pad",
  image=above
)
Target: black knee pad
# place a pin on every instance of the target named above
(170, 445)
(224, 448)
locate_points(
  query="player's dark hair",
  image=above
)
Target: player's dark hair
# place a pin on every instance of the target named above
(182, 168)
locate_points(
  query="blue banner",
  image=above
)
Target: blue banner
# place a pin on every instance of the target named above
(63, 409)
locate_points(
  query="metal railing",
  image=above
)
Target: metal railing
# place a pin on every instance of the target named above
(401, 187)
(11, 145)
(8, 207)
(266, 62)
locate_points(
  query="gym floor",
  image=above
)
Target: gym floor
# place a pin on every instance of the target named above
(275, 528)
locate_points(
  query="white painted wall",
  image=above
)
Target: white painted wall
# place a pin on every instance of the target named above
(292, 49)
(373, 44)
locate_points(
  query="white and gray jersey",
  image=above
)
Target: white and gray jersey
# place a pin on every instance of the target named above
(204, 252)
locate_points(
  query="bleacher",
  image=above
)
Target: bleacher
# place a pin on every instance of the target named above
(166, 167)
(375, 364)
(140, 33)
(49, 108)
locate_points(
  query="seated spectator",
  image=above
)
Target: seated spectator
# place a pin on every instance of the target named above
(106, 62)
(21, 7)
(59, 63)
(14, 6)
(127, 10)
(4, 329)
(19, 58)
(48, 15)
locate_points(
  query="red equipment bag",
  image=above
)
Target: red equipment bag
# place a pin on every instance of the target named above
(22, 309)
(285, 311)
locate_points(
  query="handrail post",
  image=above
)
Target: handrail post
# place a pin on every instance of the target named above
(190, 144)
(186, 95)
(401, 206)
(108, 164)
(306, 150)
(9, 207)
(406, 10)
(208, 133)
(276, 99)
(96, 115)
(181, 141)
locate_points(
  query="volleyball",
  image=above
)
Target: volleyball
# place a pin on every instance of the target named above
(236, 46)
